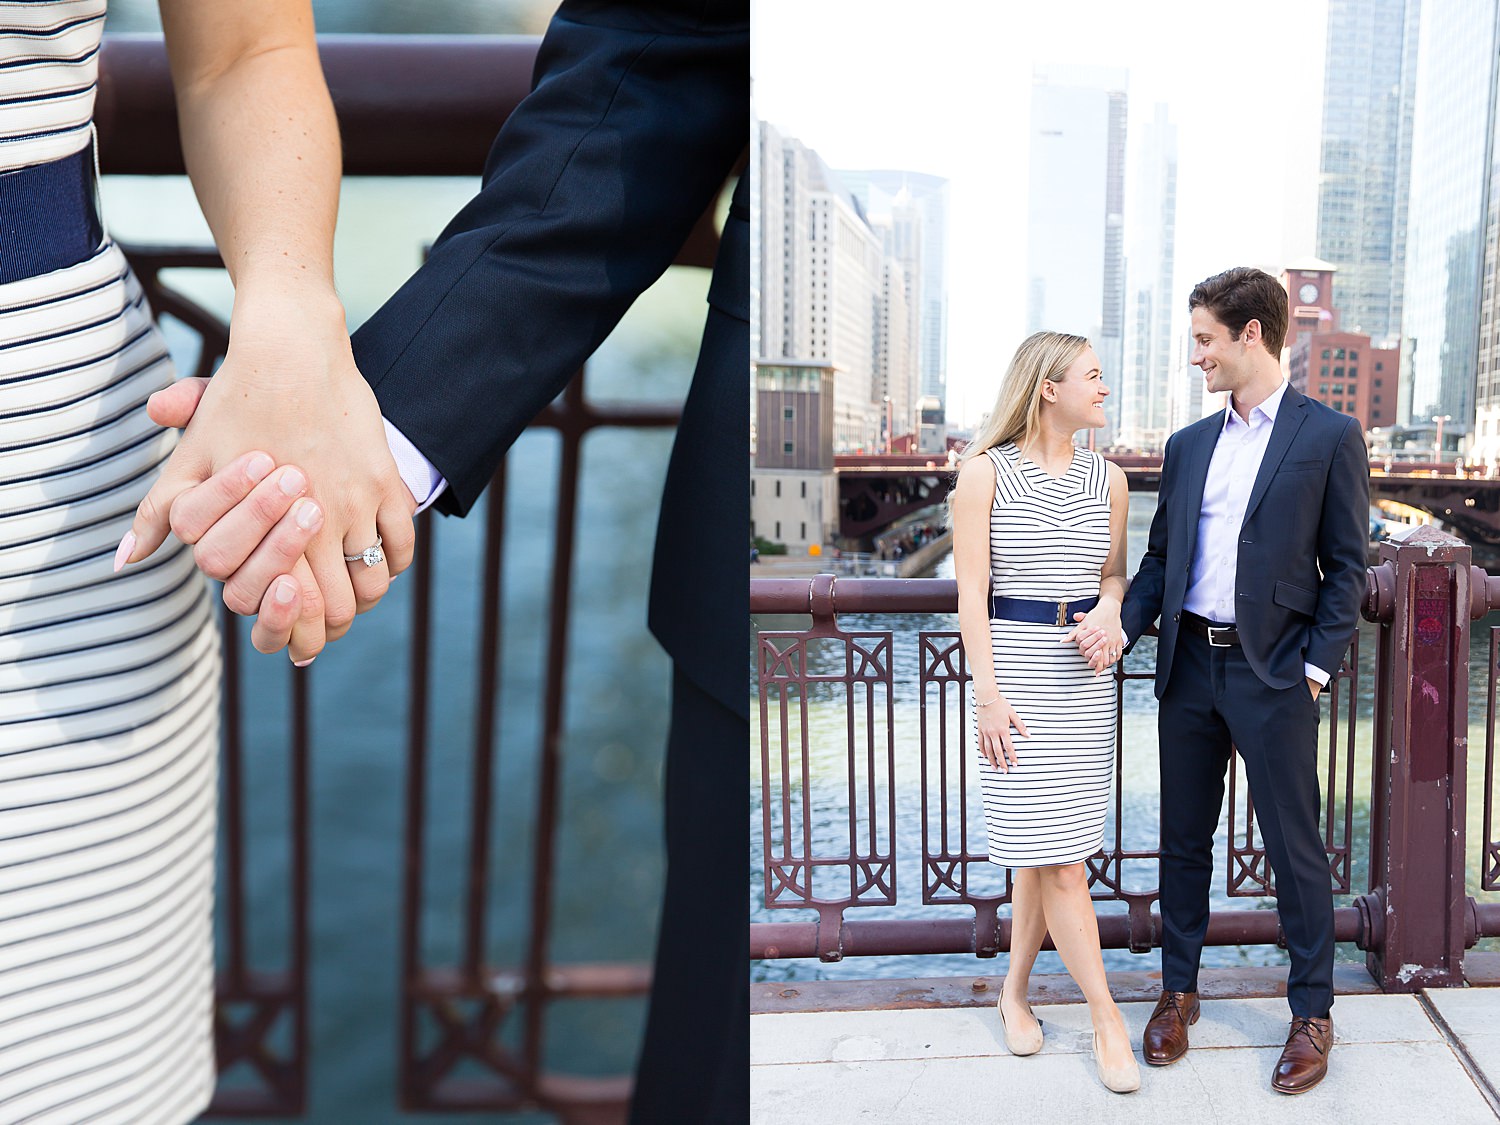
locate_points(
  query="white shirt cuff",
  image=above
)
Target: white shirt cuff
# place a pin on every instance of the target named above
(1313, 672)
(422, 479)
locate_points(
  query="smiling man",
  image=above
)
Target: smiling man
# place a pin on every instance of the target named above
(1256, 569)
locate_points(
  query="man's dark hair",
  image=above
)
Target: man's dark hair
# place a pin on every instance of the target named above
(1238, 296)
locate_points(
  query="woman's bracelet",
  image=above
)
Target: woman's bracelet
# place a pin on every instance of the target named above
(991, 703)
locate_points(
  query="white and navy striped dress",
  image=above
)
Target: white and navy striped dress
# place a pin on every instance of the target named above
(108, 683)
(1048, 541)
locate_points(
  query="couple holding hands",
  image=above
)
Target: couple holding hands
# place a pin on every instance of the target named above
(1255, 569)
(301, 466)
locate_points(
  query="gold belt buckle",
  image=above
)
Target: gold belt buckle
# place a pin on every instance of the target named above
(1062, 613)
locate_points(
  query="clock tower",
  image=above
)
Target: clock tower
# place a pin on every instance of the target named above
(1309, 286)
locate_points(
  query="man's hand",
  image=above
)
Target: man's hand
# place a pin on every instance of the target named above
(295, 393)
(1315, 687)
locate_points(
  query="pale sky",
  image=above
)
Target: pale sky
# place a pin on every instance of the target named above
(944, 88)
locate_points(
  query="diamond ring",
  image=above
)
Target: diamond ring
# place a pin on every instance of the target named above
(370, 556)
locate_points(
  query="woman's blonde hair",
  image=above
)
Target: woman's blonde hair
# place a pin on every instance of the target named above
(1017, 415)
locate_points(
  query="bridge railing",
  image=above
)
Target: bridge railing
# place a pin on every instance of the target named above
(842, 712)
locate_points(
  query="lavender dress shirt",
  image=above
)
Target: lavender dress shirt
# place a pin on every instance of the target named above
(422, 480)
(1231, 475)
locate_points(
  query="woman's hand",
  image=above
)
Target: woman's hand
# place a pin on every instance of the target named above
(288, 386)
(996, 742)
(1098, 635)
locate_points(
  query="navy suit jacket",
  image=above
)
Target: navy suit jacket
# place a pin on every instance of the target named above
(1300, 571)
(637, 116)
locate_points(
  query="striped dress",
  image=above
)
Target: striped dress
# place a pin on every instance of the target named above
(1048, 540)
(108, 683)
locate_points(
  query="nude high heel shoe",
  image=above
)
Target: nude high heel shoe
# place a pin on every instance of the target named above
(1120, 1079)
(1019, 1043)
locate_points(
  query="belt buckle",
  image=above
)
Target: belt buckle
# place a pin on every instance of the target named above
(1218, 629)
(1062, 613)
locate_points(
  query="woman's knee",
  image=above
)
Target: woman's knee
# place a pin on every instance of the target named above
(1065, 877)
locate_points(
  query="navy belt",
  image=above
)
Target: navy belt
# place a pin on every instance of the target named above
(1040, 612)
(47, 217)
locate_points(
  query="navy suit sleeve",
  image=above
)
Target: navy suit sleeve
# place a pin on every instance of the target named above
(591, 188)
(1142, 605)
(1343, 538)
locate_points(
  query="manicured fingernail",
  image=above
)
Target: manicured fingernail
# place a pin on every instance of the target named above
(123, 551)
(303, 663)
(292, 482)
(286, 590)
(258, 466)
(309, 515)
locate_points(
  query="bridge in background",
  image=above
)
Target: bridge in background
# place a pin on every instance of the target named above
(876, 490)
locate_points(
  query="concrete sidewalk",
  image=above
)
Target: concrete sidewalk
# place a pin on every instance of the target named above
(1434, 1056)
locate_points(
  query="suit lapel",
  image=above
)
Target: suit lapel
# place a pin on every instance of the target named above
(1289, 420)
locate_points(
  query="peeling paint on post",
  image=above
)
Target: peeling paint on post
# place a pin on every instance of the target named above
(1417, 803)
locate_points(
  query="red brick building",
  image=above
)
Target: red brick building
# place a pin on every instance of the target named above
(1341, 370)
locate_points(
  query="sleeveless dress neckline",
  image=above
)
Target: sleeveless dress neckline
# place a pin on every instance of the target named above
(1038, 475)
(1037, 470)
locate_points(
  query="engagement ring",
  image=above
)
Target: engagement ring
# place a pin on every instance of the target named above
(369, 556)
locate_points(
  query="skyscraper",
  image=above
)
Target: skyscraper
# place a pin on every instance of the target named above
(880, 192)
(1143, 386)
(1185, 386)
(899, 323)
(1485, 445)
(1075, 259)
(778, 320)
(1368, 97)
(817, 282)
(1453, 123)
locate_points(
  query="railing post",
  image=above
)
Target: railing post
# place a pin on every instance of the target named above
(1417, 891)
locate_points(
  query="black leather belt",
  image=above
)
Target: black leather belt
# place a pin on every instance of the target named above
(47, 217)
(1219, 636)
(1039, 612)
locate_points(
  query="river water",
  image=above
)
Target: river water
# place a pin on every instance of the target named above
(1141, 784)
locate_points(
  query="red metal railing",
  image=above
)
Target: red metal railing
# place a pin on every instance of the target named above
(472, 1032)
(1489, 859)
(1423, 594)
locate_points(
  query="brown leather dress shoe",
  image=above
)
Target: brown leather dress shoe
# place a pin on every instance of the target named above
(1166, 1038)
(1304, 1059)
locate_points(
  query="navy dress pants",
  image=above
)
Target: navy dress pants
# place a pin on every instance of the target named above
(1214, 698)
(695, 1061)
(695, 1058)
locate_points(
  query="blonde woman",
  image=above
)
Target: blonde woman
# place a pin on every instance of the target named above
(1039, 550)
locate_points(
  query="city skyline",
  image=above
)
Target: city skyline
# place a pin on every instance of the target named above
(884, 192)
(840, 279)
(957, 106)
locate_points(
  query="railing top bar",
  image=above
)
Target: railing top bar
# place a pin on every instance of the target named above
(856, 595)
(408, 105)
(918, 595)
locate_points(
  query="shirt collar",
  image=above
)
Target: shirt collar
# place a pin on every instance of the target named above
(1267, 409)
